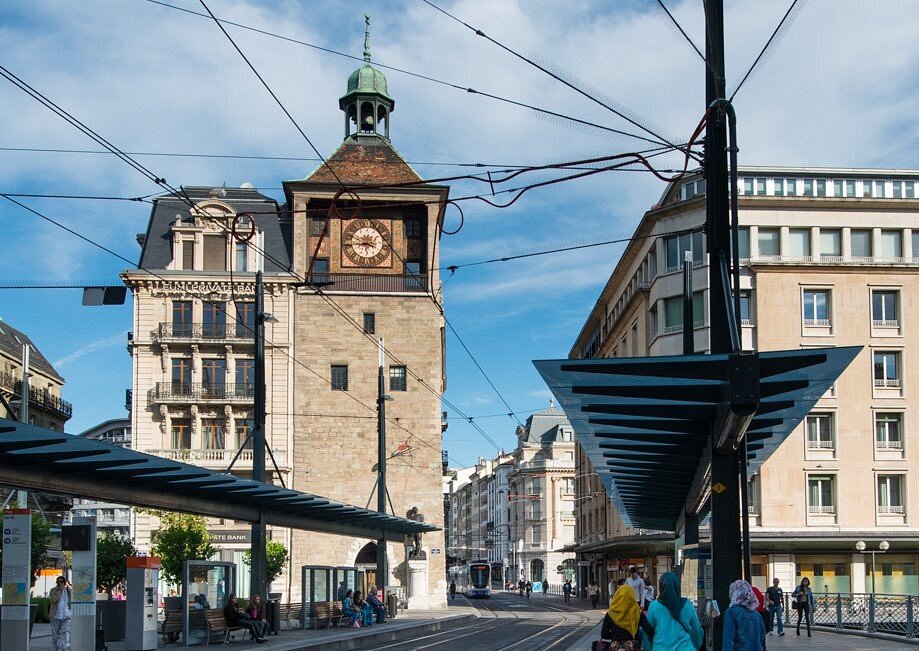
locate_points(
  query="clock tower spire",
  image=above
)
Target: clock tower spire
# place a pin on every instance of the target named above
(367, 103)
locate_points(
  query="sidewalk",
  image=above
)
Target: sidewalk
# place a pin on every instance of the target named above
(419, 622)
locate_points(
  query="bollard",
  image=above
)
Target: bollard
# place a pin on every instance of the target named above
(871, 628)
(910, 620)
(838, 612)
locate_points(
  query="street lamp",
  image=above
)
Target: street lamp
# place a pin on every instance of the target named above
(883, 546)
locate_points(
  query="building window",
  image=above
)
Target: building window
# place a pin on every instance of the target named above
(746, 316)
(567, 486)
(879, 189)
(181, 434)
(768, 241)
(916, 244)
(891, 245)
(861, 243)
(673, 312)
(887, 369)
(821, 498)
(652, 321)
(850, 188)
(896, 188)
(821, 187)
(245, 377)
(890, 495)
(397, 378)
(215, 252)
(181, 375)
(820, 434)
(817, 307)
(885, 308)
(214, 321)
(748, 185)
(370, 323)
(242, 256)
(778, 187)
(791, 187)
(317, 226)
(243, 431)
(213, 434)
(245, 320)
(677, 245)
(830, 244)
(320, 265)
(799, 243)
(909, 189)
(537, 534)
(743, 243)
(339, 377)
(181, 319)
(213, 377)
(888, 428)
(413, 227)
(761, 186)
(188, 255)
(838, 187)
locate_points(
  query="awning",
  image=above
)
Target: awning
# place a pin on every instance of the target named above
(645, 422)
(38, 459)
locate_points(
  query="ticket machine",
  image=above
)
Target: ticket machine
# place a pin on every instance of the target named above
(142, 601)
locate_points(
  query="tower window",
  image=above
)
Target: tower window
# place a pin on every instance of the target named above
(370, 323)
(397, 380)
(339, 377)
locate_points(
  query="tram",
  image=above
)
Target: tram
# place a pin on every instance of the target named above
(473, 580)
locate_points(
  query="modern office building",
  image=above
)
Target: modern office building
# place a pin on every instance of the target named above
(829, 257)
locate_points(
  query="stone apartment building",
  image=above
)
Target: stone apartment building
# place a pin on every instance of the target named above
(343, 269)
(829, 257)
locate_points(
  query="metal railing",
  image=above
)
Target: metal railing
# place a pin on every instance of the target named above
(181, 392)
(887, 383)
(870, 613)
(889, 445)
(817, 323)
(337, 282)
(885, 323)
(203, 332)
(813, 444)
(816, 509)
(891, 509)
(41, 398)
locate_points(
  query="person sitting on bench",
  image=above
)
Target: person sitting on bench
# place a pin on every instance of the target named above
(256, 610)
(237, 617)
(376, 604)
(349, 610)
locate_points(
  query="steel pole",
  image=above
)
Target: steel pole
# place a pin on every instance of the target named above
(382, 569)
(258, 561)
(688, 332)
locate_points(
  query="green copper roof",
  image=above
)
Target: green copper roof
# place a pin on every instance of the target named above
(367, 79)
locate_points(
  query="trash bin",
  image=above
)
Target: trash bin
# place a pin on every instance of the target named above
(392, 604)
(273, 614)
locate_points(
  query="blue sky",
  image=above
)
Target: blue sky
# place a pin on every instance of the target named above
(838, 90)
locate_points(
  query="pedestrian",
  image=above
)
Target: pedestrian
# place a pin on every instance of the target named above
(529, 589)
(61, 599)
(545, 586)
(453, 589)
(775, 604)
(593, 591)
(521, 586)
(743, 626)
(761, 609)
(638, 585)
(566, 591)
(673, 618)
(622, 623)
(803, 599)
(649, 592)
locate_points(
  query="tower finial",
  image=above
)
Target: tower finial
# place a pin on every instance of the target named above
(367, 38)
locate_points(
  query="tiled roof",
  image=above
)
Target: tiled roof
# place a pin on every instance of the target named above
(11, 342)
(365, 160)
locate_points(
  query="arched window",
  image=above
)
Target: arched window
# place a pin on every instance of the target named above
(537, 570)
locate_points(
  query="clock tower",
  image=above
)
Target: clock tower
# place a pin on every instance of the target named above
(365, 231)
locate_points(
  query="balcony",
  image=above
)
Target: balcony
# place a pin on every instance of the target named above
(218, 459)
(375, 283)
(891, 510)
(547, 464)
(177, 392)
(820, 445)
(889, 445)
(38, 398)
(885, 323)
(815, 509)
(817, 323)
(887, 383)
(202, 332)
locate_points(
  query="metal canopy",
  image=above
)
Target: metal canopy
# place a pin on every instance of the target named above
(645, 423)
(44, 460)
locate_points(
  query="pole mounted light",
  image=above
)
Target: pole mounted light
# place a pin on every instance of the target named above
(883, 546)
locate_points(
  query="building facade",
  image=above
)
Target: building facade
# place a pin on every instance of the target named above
(829, 257)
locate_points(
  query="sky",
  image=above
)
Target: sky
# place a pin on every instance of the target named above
(837, 89)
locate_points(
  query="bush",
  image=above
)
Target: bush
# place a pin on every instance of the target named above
(43, 613)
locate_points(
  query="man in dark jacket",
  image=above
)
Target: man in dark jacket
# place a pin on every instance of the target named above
(775, 604)
(237, 617)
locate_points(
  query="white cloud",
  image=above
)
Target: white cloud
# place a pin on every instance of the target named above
(90, 348)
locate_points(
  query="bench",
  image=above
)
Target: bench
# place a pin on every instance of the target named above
(327, 615)
(171, 627)
(217, 625)
(289, 613)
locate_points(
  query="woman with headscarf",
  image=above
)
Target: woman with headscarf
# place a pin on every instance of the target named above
(673, 618)
(622, 623)
(744, 629)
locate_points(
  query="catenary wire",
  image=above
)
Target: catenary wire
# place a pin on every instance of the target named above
(776, 34)
(680, 28)
(448, 84)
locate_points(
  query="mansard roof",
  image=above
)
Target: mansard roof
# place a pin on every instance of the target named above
(11, 343)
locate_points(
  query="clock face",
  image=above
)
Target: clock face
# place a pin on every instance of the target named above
(364, 242)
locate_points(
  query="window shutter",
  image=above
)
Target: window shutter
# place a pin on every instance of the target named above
(215, 253)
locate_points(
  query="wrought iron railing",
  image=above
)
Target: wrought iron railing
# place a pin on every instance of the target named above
(192, 392)
(815, 444)
(885, 323)
(887, 383)
(37, 397)
(203, 332)
(889, 444)
(864, 612)
(821, 509)
(338, 282)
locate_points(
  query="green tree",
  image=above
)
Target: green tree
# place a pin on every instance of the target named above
(181, 537)
(276, 559)
(41, 539)
(111, 551)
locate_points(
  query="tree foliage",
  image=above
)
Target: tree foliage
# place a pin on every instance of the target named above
(276, 559)
(111, 552)
(181, 537)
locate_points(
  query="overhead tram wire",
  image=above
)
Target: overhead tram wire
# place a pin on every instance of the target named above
(478, 32)
(777, 34)
(465, 89)
(676, 24)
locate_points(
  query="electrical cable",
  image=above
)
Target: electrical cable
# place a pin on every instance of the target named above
(448, 84)
(777, 33)
(559, 78)
(680, 28)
